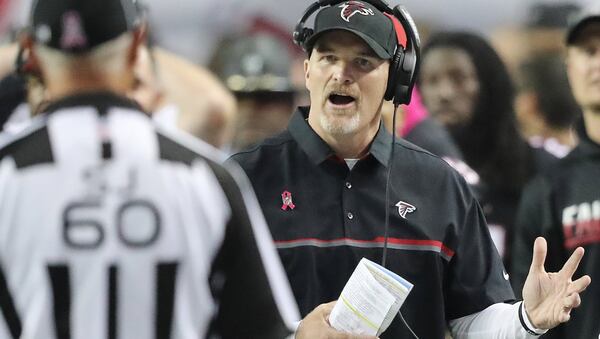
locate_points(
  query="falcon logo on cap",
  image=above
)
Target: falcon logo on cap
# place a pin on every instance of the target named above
(404, 208)
(354, 7)
(73, 35)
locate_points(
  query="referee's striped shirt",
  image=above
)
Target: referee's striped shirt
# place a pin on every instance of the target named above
(111, 229)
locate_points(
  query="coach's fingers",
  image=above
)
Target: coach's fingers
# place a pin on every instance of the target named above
(355, 336)
(573, 301)
(333, 334)
(580, 284)
(326, 308)
(571, 265)
(539, 256)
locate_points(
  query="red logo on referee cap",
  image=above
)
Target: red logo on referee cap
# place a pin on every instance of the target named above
(286, 198)
(354, 7)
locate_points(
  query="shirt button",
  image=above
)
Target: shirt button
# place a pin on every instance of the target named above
(350, 216)
(348, 184)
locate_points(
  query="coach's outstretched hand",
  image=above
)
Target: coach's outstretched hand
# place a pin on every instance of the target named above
(316, 326)
(549, 297)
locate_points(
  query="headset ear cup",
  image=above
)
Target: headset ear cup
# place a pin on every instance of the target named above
(301, 34)
(305, 33)
(394, 75)
(409, 66)
(406, 77)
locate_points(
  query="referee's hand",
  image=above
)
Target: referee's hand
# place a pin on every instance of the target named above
(316, 326)
(549, 297)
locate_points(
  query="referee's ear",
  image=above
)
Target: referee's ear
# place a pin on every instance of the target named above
(27, 61)
(139, 37)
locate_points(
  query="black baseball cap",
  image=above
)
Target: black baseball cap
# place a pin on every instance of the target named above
(582, 18)
(77, 26)
(254, 63)
(360, 18)
(550, 15)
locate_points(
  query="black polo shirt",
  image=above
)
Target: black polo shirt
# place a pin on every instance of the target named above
(324, 218)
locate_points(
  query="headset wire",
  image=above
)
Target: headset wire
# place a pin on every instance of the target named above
(387, 203)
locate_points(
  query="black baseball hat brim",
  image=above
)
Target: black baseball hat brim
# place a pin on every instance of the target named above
(573, 32)
(376, 47)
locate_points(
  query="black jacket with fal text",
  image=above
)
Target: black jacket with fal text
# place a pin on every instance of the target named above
(563, 205)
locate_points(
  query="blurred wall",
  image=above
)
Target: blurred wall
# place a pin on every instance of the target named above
(192, 27)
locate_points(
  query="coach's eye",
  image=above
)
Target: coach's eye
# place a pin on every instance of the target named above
(330, 58)
(364, 63)
(590, 50)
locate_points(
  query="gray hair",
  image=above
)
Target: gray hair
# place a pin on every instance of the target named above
(108, 59)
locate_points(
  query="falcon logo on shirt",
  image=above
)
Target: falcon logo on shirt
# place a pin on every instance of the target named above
(354, 7)
(404, 208)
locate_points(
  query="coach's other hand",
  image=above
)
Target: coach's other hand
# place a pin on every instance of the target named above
(316, 326)
(548, 298)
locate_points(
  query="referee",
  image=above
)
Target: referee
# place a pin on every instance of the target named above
(110, 228)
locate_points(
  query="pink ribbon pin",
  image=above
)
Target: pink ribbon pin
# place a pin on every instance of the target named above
(286, 198)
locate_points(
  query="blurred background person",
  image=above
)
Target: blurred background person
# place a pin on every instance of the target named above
(563, 204)
(179, 94)
(4, 11)
(8, 55)
(541, 29)
(183, 96)
(545, 107)
(256, 68)
(533, 53)
(22, 93)
(14, 111)
(414, 124)
(12, 86)
(466, 87)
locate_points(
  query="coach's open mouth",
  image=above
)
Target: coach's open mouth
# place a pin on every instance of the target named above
(341, 99)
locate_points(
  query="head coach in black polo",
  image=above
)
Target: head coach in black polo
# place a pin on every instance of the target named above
(113, 228)
(322, 186)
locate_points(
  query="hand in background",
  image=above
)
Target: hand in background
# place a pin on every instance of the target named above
(549, 297)
(316, 326)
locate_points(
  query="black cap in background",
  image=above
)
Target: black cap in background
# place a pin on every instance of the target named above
(254, 63)
(550, 15)
(77, 26)
(580, 19)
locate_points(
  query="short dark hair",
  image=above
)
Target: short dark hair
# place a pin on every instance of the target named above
(545, 74)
